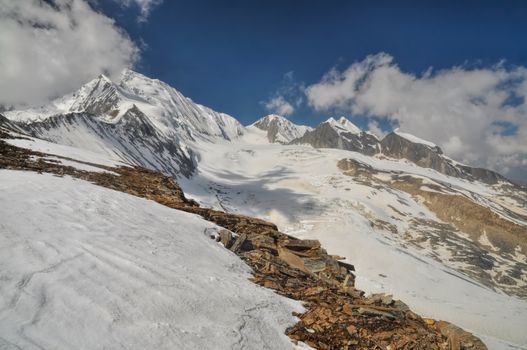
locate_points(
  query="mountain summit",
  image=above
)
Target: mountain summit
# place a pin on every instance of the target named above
(280, 129)
(144, 121)
(341, 134)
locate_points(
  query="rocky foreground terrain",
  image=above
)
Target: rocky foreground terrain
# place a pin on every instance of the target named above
(336, 316)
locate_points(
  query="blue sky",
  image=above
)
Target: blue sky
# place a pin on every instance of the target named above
(232, 55)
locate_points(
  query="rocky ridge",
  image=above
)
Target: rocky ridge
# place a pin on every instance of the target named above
(341, 134)
(395, 145)
(338, 316)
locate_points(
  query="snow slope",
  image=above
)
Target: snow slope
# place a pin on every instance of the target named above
(301, 190)
(82, 155)
(91, 268)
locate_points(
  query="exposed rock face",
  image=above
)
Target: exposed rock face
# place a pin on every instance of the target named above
(341, 134)
(132, 137)
(482, 241)
(101, 97)
(279, 129)
(6, 123)
(431, 156)
(396, 146)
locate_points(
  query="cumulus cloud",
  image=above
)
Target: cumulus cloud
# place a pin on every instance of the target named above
(375, 129)
(477, 115)
(145, 7)
(287, 97)
(49, 48)
(278, 105)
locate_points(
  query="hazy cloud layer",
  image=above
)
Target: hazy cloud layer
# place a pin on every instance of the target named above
(51, 48)
(478, 116)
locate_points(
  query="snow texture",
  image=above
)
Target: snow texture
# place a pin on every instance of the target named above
(84, 267)
(302, 190)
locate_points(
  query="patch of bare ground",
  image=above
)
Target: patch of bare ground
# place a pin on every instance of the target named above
(458, 213)
(337, 316)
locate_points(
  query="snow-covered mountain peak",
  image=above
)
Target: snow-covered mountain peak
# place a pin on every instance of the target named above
(166, 108)
(343, 125)
(280, 129)
(144, 121)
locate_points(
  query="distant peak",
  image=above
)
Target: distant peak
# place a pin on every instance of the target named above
(266, 120)
(343, 124)
(274, 116)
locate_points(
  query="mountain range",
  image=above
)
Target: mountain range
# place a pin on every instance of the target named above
(449, 238)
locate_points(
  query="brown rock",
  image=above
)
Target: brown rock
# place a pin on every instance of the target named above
(352, 330)
(226, 238)
(238, 243)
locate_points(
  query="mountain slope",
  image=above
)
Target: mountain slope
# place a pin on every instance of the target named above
(446, 269)
(426, 154)
(268, 252)
(279, 129)
(424, 229)
(143, 120)
(340, 134)
(94, 268)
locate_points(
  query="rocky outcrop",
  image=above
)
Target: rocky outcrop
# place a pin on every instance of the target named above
(484, 242)
(9, 125)
(431, 156)
(341, 134)
(132, 137)
(396, 146)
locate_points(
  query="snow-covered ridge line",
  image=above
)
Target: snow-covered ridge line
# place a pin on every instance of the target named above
(343, 125)
(142, 121)
(414, 139)
(166, 108)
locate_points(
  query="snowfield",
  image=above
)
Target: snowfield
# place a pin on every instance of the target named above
(302, 191)
(84, 267)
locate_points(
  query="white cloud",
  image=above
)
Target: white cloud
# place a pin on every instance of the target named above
(465, 111)
(287, 97)
(145, 6)
(375, 129)
(51, 48)
(278, 105)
